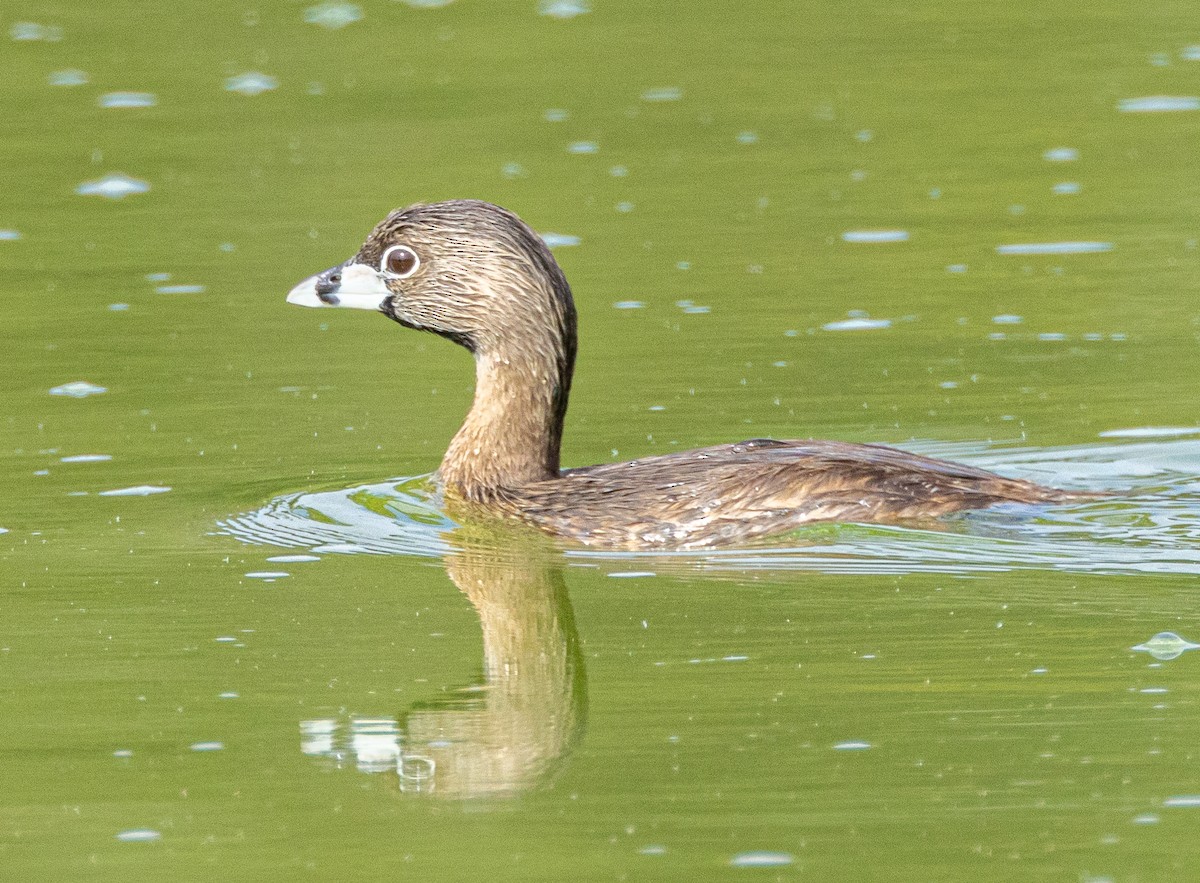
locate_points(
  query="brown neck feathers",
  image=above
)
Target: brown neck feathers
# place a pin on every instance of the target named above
(512, 435)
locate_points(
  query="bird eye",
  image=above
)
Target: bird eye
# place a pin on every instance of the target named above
(399, 261)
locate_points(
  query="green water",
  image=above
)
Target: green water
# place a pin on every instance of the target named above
(862, 704)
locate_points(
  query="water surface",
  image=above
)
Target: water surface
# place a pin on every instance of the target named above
(236, 644)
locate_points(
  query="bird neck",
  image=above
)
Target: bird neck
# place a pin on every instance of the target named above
(512, 435)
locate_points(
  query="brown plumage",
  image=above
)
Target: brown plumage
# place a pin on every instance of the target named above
(485, 280)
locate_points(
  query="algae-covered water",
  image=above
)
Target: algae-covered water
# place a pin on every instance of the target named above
(239, 639)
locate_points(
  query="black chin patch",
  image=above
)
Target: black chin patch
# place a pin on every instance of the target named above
(463, 339)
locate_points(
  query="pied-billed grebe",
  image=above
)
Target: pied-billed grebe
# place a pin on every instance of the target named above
(478, 275)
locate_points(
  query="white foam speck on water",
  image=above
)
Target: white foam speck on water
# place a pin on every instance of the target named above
(1061, 154)
(428, 4)
(293, 559)
(86, 458)
(114, 186)
(1165, 646)
(225, 639)
(956, 268)
(1151, 432)
(1183, 800)
(123, 753)
(179, 289)
(68, 77)
(158, 277)
(1008, 319)
(3, 530)
(852, 746)
(1154, 691)
(267, 574)
(333, 15)
(653, 849)
(664, 93)
(1052, 335)
(692, 308)
(1146, 818)
(631, 574)
(127, 99)
(761, 859)
(31, 31)
(583, 147)
(9, 235)
(118, 308)
(78, 389)
(559, 240)
(564, 9)
(1190, 53)
(555, 115)
(1055, 248)
(139, 835)
(251, 83)
(873, 236)
(1159, 104)
(857, 323)
(747, 137)
(207, 746)
(141, 490)
(1066, 188)
(629, 305)
(228, 694)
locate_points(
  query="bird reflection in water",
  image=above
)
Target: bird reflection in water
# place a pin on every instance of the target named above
(499, 738)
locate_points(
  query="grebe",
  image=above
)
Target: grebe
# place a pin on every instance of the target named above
(475, 273)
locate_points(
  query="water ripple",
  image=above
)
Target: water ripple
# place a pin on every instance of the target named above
(1159, 104)
(251, 83)
(875, 236)
(333, 15)
(1055, 248)
(1153, 527)
(114, 186)
(564, 8)
(127, 99)
(78, 389)
(68, 77)
(1166, 646)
